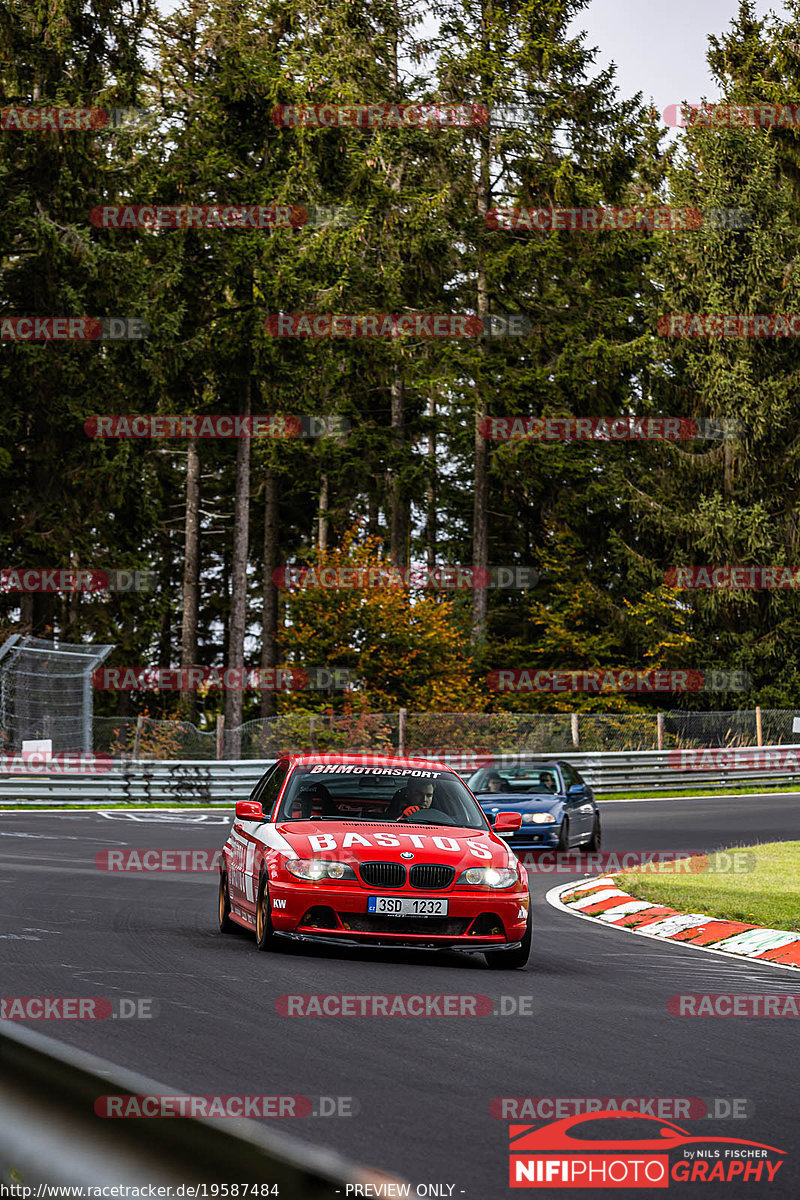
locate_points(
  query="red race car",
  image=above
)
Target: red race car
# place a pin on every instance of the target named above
(366, 850)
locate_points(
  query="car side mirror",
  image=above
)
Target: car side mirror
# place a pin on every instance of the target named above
(507, 822)
(249, 810)
(576, 789)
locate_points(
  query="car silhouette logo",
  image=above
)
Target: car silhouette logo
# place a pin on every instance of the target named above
(406, 854)
(556, 1135)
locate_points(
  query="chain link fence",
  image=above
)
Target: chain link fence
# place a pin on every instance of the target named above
(46, 693)
(429, 734)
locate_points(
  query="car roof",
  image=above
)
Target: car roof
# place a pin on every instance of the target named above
(364, 760)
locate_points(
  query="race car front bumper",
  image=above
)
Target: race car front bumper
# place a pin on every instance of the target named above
(475, 946)
(475, 920)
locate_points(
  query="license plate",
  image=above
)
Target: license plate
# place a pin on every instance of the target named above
(407, 906)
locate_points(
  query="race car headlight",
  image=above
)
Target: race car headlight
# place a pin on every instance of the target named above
(493, 877)
(538, 819)
(313, 869)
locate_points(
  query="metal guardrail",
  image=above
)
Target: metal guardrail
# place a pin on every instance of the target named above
(49, 1133)
(138, 781)
(662, 770)
(225, 782)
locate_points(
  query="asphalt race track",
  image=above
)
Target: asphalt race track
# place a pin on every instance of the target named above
(422, 1086)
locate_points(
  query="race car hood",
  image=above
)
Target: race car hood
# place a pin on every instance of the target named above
(356, 842)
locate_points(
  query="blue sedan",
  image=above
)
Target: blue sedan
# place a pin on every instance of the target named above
(558, 808)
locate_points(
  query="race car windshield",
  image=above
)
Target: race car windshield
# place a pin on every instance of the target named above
(379, 794)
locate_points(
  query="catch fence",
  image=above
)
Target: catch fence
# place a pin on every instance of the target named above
(430, 734)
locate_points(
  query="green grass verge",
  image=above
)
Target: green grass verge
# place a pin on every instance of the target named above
(768, 895)
(708, 790)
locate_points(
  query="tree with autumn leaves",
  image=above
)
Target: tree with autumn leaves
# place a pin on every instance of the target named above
(400, 647)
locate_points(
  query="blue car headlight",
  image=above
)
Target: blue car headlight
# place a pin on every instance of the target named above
(538, 819)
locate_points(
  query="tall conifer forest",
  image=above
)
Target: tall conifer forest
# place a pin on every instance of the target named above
(476, 469)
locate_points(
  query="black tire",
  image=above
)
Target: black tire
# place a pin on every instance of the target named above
(265, 936)
(563, 837)
(226, 925)
(596, 840)
(513, 960)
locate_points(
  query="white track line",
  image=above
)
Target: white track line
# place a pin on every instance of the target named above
(72, 810)
(553, 897)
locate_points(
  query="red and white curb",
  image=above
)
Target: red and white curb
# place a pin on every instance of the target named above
(600, 899)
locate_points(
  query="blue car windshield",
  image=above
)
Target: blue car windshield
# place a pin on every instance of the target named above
(524, 780)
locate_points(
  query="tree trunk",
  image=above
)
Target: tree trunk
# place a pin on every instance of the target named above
(480, 519)
(372, 511)
(398, 516)
(322, 521)
(269, 620)
(165, 641)
(238, 607)
(430, 495)
(191, 576)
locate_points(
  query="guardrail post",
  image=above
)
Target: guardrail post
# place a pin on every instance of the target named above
(576, 741)
(660, 730)
(312, 731)
(759, 734)
(220, 736)
(137, 737)
(401, 731)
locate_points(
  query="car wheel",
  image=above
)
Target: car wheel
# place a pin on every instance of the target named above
(226, 925)
(563, 837)
(513, 960)
(596, 840)
(265, 935)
